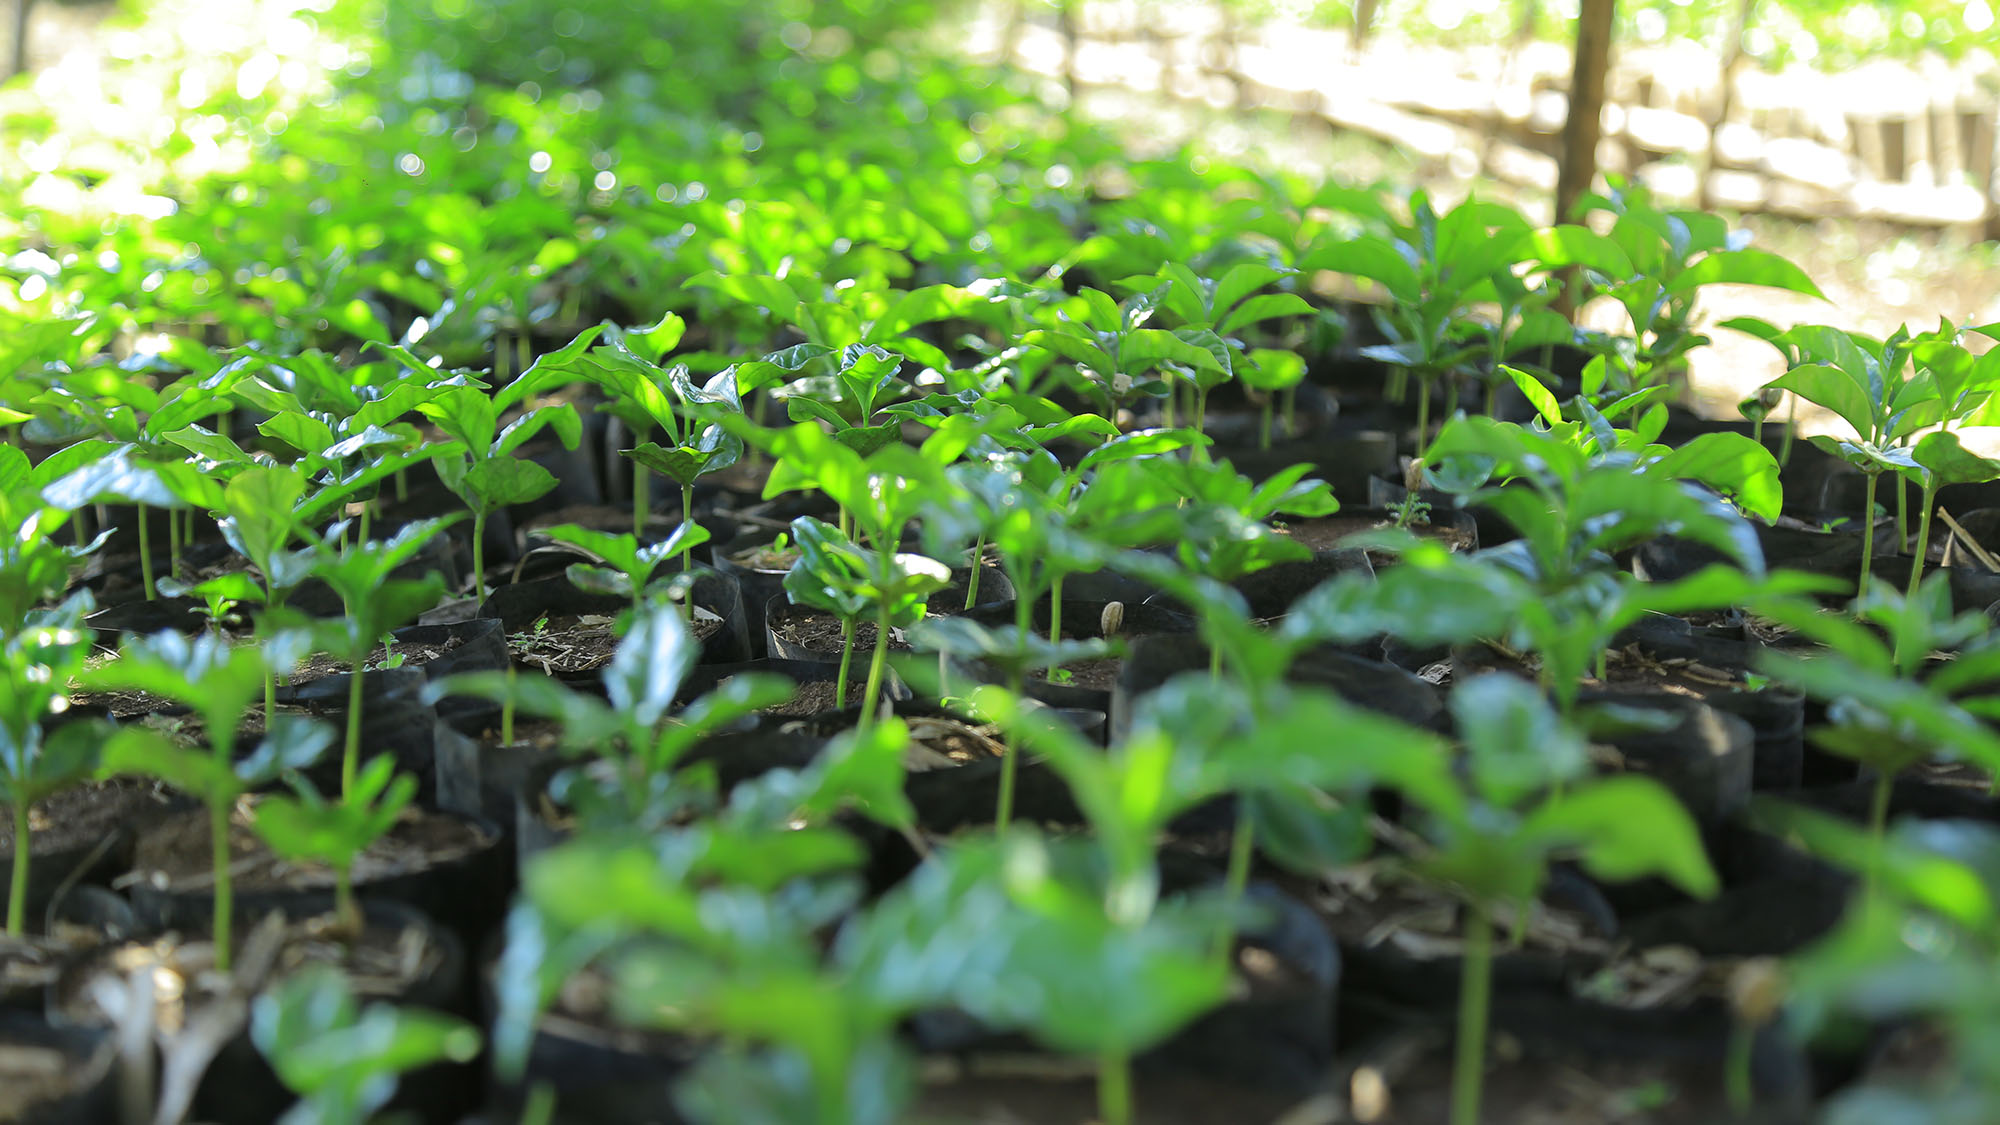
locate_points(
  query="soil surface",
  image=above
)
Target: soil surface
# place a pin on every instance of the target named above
(1096, 675)
(765, 559)
(176, 855)
(1329, 532)
(572, 642)
(820, 633)
(81, 816)
(817, 696)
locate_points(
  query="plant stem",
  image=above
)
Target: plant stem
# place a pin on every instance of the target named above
(1923, 536)
(479, 557)
(1791, 428)
(687, 520)
(1055, 608)
(345, 911)
(1736, 1085)
(1291, 411)
(1264, 426)
(846, 659)
(173, 543)
(1242, 847)
(876, 663)
(1902, 511)
(1878, 820)
(146, 555)
(350, 755)
(1423, 413)
(402, 485)
(1200, 418)
(1867, 534)
(218, 835)
(972, 580)
(1474, 992)
(17, 891)
(1114, 1088)
(541, 1107)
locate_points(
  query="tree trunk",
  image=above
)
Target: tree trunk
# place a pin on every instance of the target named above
(19, 63)
(1364, 19)
(1585, 123)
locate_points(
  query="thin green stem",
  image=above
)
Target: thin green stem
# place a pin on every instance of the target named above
(218, 835)
(1200, 418)
(146, 555)
(1791, 428)
(1114, 1088)
(1242, 848)
(1055, 608)
(479, 557)
(846, 660)
(1423, 413)
(17, 891)
(350, 754)
(541, 1106)
(345, 910)
(173, 543)
(876, 663)
(687, 520)
(1474, 995)
(972, 580)
(1736, 1084)
(1291, 411)
(1867, 534)
(1878, 821)
(1902, 511)
(402, 485)
(1923, 536)
(1264, 425)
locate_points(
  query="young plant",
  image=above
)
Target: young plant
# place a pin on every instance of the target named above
(341, 1059)
(644, 395)
(38, 659)
(835, 575)
(376, 602)
(1114, 352)
(1211, 311)
(1863, 382)
(1434, 268)
(308, 829)
(217, 681)
(632, 725)
(483, 470)
(1880, 713)
(1493, 845)
(629, 567)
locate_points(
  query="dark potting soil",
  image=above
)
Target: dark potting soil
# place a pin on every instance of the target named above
(176, 855)
(937, 742)
(30, 963)
(1417, 921)
(320, 664)
(763, 558)
(1413, 1087)
(820, 633)
(1095, 675)
(1036, 1089)
(84, 814)
(816, 696)
(572, 642)
(1328, 532)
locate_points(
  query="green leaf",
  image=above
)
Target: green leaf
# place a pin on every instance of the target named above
(651, 663)
(1560, 247)
(1538, 396)
(1372, 258)
(1950, 462)
(1628, 827)
(1734, 465)
(1835, 390)
(1744, 267)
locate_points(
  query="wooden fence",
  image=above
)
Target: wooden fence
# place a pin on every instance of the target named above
(1891, 141)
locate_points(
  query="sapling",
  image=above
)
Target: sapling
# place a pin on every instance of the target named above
(628, 567)
(644, 395)
(1880, 712)
(1494, 844)
(343, 1060)
(1116, 356)
(375, 602)
(835, 575)
(483, 470)
(38, 658)
(634, 723)
(217, 681)
(307, 828)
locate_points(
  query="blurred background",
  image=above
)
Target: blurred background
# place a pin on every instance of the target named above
(1857, 138)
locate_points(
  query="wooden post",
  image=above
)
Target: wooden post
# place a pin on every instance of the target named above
(19, 63)
(1585, 123)
(1364, 19)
